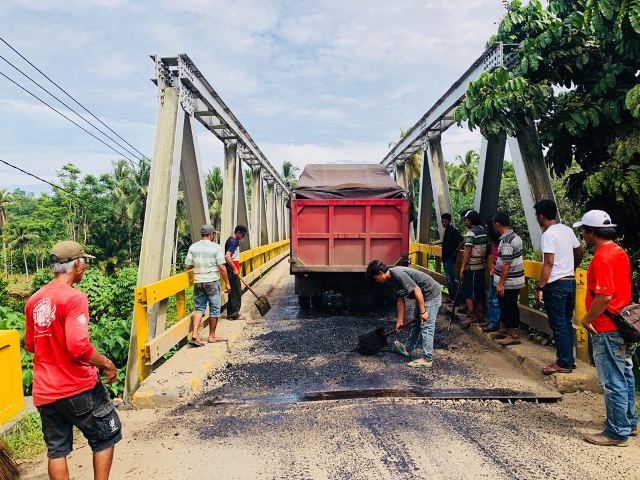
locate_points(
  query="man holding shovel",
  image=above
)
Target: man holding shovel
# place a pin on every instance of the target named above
(413, 284)
(232, 257)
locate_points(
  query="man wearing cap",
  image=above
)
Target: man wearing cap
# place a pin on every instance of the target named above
(608, 291)
(66, 386)
(207, 260)
(232, 256)
(472, 269)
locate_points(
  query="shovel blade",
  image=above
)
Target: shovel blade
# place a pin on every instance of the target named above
(371, 343)
(263, 305)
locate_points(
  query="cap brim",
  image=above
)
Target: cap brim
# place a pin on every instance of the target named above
(578, 224)
(86, 255)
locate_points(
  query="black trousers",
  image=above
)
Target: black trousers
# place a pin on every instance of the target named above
(509, 311)
(235, 295)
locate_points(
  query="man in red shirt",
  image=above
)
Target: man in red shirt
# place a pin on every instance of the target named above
(608, 291)
(66, 387)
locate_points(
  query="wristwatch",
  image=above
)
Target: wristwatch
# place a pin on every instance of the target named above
(539, 289)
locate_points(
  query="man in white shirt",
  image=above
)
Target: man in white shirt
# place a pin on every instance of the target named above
(556, 288)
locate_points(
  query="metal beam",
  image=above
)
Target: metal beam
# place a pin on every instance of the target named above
(489, 176)
(438, 117)
(532, 176)
(272, 233)
(160, 217)
(439, 182)
(200, 99)
(426, 198)
(257, 201)
(195, 197)
(229, 192)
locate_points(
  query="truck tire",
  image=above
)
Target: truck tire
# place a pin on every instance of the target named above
(316, 301)
(304, 302)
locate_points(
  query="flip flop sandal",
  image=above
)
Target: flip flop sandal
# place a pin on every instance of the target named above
(196, 343)
(218, 340)
(400, 349)
(553, 368)
(419, 364)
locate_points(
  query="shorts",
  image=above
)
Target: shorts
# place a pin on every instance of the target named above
(91, 411)
(204, 293)
(473, 285)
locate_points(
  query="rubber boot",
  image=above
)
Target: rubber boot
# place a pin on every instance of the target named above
(513, 338)
(500, 334)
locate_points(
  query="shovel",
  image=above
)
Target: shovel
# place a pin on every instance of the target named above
(452, 314)
(262, 302)
(371, 343)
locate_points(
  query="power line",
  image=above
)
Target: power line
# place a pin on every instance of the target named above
(65, 116)
(70, 96)
(68, 107)
(58, 187)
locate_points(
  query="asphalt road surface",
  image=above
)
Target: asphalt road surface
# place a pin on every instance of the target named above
(252, 420)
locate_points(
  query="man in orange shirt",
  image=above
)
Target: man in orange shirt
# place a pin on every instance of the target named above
(608, 292)
(66, 387)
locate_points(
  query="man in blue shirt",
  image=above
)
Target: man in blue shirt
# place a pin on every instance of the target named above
(232, 257)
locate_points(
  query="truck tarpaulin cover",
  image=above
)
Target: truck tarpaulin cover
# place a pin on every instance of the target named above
(347, 181)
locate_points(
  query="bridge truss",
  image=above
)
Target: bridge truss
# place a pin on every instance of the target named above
(425, 138)
(186, 97)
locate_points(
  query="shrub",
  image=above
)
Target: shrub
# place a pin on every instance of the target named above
(10, 320)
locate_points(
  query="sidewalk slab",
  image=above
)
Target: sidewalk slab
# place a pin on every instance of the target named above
(183, 375)
(532, 357)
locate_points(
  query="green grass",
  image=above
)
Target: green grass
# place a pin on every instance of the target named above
(25, 439)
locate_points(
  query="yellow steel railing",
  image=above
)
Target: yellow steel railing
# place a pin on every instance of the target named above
(11, 396)
(421, 253)
(253, 263)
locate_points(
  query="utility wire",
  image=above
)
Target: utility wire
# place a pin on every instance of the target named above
(65, 116)
(70, 96)
(58, 187)
(70, 108)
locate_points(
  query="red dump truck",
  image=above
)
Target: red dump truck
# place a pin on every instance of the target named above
(342, 217)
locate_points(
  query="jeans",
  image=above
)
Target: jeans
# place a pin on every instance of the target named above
(559, 303)
(425, 329)
(235, 295)
(493, 305)
(509, 311)
(204, 293)
(449, 270)
(614, 364)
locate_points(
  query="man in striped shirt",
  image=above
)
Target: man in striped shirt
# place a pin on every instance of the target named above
(508, 279)
(207, 260)
(474, 261)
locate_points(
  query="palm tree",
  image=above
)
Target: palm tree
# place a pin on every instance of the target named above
(5, 199)
(213, 187)
(21, 240)
(468, 176)
(289, 173)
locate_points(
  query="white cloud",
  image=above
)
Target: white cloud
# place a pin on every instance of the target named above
(44, 5)
(113, 66)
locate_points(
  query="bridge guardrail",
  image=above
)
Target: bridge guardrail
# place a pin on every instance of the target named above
(253, 264)
(420, 254)
(11, 396)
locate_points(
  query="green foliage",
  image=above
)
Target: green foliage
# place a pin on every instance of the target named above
(111, 338)
(10, 320)
(575, 76)
(25, 439)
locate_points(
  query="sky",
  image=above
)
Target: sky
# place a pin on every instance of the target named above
(312, 82)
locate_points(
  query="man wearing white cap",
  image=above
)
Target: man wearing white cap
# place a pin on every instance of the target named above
(609, 291)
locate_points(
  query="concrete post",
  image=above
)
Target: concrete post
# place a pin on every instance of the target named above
(271, 211)
(426, 197)
(489, 176)
(229, 192)
(160, 217)
(439, 183)
(532, 176)
(256, 206)
(264, 229)
(195, 197)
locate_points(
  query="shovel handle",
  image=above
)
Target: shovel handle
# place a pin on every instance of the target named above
(248, 286)
(396, 330)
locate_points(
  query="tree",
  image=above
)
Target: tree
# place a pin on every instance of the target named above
(214, 187)
(289, 171)
(5, 198)
(21, 241)
(575, 76)
(468, 174)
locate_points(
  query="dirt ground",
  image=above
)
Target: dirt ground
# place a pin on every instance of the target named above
(249, 421)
